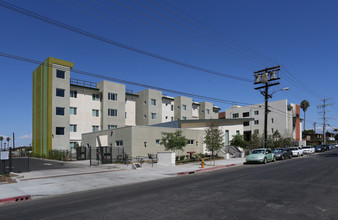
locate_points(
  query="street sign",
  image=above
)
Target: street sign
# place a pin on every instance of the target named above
(4, 155)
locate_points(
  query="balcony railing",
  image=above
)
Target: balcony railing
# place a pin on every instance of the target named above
(81, 82)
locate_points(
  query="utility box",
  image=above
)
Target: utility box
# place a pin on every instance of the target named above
(166, 158)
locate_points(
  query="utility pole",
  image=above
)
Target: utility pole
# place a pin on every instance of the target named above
(323, 106)
(265, 76)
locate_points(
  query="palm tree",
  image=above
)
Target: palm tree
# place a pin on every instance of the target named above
(304, 105)
(1, 139)
(8, 139)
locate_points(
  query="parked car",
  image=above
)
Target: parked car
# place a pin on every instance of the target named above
(319, 148)
(261, 155)
(326, 147)
(308, 150)
(296, 151)
(282, 153)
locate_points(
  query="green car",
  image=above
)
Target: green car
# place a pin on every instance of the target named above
(261, 155)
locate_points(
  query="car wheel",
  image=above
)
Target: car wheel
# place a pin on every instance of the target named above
(290, 157)
(265, 160)
(283, 157)
(274, 159)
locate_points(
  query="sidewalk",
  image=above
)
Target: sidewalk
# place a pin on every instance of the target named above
(38, 184)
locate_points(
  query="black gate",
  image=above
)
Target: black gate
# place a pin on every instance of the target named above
(14, 161)
(81, 153)
(104, 155)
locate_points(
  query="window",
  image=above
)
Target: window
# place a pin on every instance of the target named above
(237, 132)
(112, 112)
(95, 128)
(95, 113)
(73, 93)
(256, 131)
(272, 120)
(184, 118)
(119, 143)
(256, 122)
(172, 107)
(158, 142)
(59, 130)
(153, 101)
(178, 107)
(272, 130)
(73, 111)
(184, 107)
(246, 123)
(73, 128)
(245, 114)
(172, 118)
(72, 144)
(166, 117)
(112, 126)
(60, 74)
(96, 97)
(60, 111)
(60, 92)
(153, 115)
(235, 115)
(190, 141)
(112, 96)
(256, 112)
(208, 111)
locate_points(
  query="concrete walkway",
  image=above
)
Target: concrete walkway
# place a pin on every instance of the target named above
(38, 184)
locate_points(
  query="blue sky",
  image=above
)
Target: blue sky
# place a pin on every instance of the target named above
(301, 36)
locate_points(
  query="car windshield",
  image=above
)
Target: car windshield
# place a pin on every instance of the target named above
(294, 148)
(258, 152)
(306, 147)
(278, 151)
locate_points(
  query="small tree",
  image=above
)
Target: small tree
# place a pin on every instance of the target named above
(238, 140)
(173, 140)
(255, 141)
(213, 138)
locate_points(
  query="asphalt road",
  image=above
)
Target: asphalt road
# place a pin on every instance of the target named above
(300, 188)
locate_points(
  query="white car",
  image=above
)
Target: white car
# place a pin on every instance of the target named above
(308, 150)
(296, 151)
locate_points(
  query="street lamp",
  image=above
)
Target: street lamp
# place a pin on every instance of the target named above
(267, 96)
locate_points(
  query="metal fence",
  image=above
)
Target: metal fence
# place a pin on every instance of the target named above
(14, 161)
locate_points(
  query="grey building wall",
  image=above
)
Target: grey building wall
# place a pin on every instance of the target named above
(277, 117)
(119, 104)
(60, 141)
(145, 109)
(141, 140)
(206, 110)
(179, 112)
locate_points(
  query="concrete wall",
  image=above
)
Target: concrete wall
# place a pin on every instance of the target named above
(277, 118)
(130, 111)
(84, 104)
(61, 142)
(144, 107)
(141, 140)
(179, 112)
(167, 109)
(119, 104)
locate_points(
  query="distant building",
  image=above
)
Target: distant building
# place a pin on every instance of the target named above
(282, 117)
(65, 108)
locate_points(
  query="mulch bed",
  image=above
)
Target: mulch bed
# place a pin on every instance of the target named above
(6, 178)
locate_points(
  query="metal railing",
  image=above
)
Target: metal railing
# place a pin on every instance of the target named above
(81, 82)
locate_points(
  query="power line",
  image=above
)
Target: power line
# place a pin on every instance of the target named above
(128, 82)
(106, 40)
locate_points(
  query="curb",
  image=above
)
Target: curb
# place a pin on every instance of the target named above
(15, 199)
(206, 169)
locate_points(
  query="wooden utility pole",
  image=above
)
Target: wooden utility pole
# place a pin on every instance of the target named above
(265, 76)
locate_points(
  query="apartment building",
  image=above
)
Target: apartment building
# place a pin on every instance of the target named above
(282, 117)
(65, 108)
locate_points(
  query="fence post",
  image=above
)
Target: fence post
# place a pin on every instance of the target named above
(10, 160)
(90, 156)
